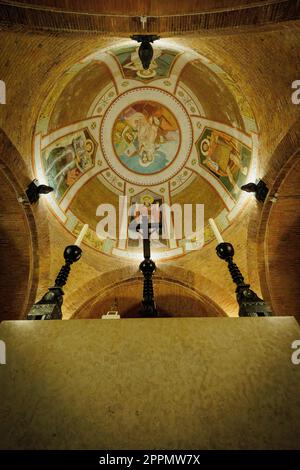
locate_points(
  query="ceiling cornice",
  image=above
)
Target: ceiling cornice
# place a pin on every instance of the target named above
(31, 16)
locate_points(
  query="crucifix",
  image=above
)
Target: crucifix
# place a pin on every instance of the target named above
(147, 266)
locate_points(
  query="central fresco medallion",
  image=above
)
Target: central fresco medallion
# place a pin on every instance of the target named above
(151, 138)
(146, 137)
(180, 133)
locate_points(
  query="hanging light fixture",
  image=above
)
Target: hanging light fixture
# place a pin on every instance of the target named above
(145, 49)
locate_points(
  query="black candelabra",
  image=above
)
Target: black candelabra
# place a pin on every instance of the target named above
(49, 307)
(250, 305)
(148, 267)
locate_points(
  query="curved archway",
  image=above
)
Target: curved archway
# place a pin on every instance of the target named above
(280, 167)
(20, 261)
(17, 286)
(174, 297)
(279, 228)
(280, 271)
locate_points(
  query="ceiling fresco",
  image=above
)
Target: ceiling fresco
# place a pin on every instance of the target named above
(181, 132)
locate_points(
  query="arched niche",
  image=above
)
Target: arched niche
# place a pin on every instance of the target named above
(173, 299)
(272, 233)
(273, 228)
(279, 240)
(19, 233)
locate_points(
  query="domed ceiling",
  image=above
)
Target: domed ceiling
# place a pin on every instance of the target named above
(179, 133)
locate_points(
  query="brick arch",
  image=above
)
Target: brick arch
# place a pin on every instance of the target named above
(126, 283)
(277, 234)
(282, 156)
(24, 232)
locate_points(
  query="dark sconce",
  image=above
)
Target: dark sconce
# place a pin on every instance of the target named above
(250, 305)
(34, 190)
(49, 307)
(145, 49)
(260, 190)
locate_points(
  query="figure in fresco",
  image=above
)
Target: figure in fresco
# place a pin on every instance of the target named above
(146, 203)
(222, 156)
(146, 137)
(65, 163)
(136, 64)
(146, 134)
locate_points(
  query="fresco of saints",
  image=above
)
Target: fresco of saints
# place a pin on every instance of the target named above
(222, 156)
(65, 164)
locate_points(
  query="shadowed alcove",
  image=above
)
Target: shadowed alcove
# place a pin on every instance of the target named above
(173, 300)
(16, 253)
(282, 243)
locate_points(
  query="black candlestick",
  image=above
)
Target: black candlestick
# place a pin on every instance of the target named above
(49, 307)
(249, 302)
(147, 267)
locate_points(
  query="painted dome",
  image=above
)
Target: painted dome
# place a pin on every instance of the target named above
(179, 133)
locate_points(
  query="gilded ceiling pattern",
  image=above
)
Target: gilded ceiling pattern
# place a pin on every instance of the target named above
(179, 132)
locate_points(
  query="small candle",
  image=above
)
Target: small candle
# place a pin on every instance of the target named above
(215, 229)
(81, 235)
